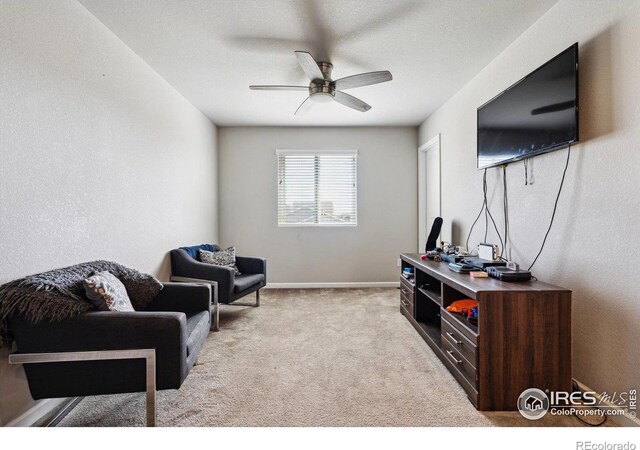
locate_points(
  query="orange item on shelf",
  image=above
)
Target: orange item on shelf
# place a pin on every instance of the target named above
(461, 306)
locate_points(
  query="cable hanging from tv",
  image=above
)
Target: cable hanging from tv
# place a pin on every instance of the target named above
(505, 207)
(505, 248)
(487, 216)
(555, 207)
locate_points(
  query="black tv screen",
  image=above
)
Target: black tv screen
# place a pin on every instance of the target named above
(537, 114)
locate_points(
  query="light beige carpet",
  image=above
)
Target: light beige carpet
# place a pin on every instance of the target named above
(331, 357)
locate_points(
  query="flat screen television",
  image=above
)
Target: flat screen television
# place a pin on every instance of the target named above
(536, 115)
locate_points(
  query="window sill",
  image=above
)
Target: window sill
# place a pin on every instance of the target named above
(320, 225)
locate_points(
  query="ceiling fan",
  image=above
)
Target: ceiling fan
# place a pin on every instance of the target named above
(322, 89)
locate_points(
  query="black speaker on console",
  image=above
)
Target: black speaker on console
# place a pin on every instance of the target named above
(432, 240)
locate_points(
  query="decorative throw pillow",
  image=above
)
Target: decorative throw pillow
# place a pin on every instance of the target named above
(225, 258)
(142, 288)
(107, 293)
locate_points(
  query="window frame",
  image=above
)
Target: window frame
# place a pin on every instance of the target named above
(312, 152)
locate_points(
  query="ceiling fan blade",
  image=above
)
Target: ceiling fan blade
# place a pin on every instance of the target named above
(267, 87)
(309, 65)
(304, 107)
(266, 45)
(351, 102)
(316, 29)
(363, 79)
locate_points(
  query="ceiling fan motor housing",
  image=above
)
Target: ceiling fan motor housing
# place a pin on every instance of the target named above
(323, 91)
(326, 68)
(319, 89)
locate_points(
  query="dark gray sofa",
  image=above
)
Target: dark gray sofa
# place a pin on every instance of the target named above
(175, 324)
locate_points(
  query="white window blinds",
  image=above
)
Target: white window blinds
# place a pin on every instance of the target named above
(317, 187)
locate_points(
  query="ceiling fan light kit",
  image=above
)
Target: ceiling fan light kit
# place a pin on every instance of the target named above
(322, 89)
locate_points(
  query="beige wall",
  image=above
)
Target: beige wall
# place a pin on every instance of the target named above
(593, 247)
(387, 204)
(100, 157)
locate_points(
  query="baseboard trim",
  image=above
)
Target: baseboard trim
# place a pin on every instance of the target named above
(331, 285)
(36, 412)
(624, 421)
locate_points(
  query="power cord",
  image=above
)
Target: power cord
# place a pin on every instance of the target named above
(488, 212)
(555, 207)
(576, 388)
(487, 216)
(472, 226)
(505, 207)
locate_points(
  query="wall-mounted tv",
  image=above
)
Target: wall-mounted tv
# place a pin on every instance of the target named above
(536, 115)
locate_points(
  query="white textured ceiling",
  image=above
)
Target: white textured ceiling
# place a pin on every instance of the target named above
(212, 50)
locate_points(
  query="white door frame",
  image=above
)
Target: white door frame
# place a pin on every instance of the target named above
(432, 145)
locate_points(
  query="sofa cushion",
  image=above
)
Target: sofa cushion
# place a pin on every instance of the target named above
(223, 258)
(193, 250)
(244, 282)
(107, 293)
(197, 331)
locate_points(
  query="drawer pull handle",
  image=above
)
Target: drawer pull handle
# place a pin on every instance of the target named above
(453, 357)
(404, 291)
(453, 338)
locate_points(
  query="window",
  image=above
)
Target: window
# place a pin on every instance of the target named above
(317, 188)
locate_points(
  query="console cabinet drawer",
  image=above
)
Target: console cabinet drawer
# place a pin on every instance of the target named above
(408, 296)
(459, 361)
(470, 388)
(459, 342)
(406, 287)
(407, 304)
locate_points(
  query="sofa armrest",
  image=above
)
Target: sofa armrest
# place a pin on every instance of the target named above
(183, 297)
(184, 265)
(103, 330)
(224, 276)
(252, 265)
(166, 332)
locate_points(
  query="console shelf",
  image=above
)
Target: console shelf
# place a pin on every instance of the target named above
(432, 332)
(522, 339)
(433, 296)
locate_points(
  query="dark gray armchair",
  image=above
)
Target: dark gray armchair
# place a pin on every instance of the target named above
(175, 324)
(186, 266)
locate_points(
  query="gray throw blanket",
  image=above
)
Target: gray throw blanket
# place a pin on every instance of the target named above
(59, 294)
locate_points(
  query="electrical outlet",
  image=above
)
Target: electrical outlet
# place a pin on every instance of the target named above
(399, 263)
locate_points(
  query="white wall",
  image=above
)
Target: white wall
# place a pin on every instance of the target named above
(100, 157)
(593, 247)
(387, 204)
